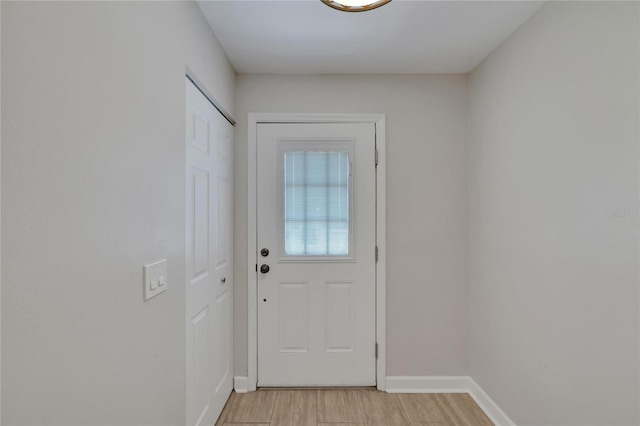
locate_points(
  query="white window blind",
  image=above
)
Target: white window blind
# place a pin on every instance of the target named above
(316, 221)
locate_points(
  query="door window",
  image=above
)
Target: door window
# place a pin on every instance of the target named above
(316, 201)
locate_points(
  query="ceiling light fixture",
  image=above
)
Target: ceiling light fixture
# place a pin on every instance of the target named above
(355, 5)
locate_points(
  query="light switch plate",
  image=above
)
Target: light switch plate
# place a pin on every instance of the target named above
(155, 279)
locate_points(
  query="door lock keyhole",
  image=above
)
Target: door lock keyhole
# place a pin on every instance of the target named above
(264, 269)
(264, 252)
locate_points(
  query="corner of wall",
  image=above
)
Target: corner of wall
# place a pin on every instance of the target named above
(450, 384)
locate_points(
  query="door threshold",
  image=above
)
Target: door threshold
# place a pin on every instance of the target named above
(292, 388)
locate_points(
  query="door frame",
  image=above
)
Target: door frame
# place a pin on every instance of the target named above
(253, 120)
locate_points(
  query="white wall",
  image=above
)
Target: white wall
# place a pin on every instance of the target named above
(426, 204)
(553, 148)
(93, 188)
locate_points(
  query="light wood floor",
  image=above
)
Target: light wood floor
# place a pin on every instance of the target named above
(349, 407)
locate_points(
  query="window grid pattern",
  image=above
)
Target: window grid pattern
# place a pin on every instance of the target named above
(316, 219)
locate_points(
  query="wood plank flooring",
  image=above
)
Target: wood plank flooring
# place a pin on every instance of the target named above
(350, 407)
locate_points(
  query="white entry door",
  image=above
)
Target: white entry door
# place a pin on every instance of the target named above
(316, 254)
(209, 291)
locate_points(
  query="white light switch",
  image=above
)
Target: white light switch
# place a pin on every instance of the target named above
(155, 279)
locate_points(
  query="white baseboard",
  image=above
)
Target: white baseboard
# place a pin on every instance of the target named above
(450, 384)
(488, 405)
(241, 384)
(428, 384)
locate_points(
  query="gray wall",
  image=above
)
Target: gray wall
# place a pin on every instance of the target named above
(426, 204)
(553, 150)
(93, 173)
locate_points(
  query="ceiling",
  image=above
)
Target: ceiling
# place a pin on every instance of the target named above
(404, 36)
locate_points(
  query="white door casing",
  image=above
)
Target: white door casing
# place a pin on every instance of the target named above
(209, 290)
(317, 319)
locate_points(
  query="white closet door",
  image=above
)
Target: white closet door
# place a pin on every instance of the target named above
(209, 291)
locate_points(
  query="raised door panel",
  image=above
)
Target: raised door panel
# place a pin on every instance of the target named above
(200, 224)
(200, 351)
(339, 316)
(222, 362)
(224, 223)
(293, 317)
